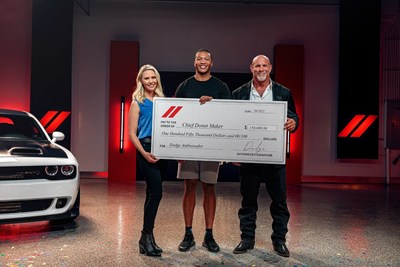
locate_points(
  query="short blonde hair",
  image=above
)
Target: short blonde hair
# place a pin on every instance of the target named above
(138, 93)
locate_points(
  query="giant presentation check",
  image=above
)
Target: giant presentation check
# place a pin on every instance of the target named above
(219, 130)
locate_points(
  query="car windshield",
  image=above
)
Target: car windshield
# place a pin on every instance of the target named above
(17, 126)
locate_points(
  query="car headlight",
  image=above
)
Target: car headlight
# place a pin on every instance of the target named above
(67, 170)
(60, 172)
(51, 170)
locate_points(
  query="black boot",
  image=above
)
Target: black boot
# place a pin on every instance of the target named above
(146, 246)
(156, 247)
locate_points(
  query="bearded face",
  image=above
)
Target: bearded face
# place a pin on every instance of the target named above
(261, 68)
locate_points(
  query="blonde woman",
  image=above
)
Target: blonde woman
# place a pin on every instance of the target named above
(148, 86)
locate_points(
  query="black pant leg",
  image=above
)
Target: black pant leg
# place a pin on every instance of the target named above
(276, 187)
(249, 188)
(152, 173)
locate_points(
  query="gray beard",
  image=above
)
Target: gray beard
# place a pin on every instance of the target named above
(261, 78)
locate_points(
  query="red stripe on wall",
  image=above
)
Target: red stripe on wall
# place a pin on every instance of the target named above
(364, 126)
(57, 121)
(124, 66)
(351, 125)
(47, 117)
(288, 65)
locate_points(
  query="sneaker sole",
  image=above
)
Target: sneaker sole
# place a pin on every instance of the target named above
(215, 251)
(282, 255)
(187, 249)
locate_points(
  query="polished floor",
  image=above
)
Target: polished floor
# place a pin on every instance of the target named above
(331, 225)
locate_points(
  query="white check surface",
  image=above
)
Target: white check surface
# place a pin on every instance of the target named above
(219, 130)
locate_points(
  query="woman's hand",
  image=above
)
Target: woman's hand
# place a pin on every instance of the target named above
(150, 157)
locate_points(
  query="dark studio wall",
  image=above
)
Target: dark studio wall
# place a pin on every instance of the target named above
(52, 63)
(358, 92)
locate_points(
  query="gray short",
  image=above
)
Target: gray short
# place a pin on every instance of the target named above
(206, 171)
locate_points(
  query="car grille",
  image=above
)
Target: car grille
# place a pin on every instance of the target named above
(24, 206)
(18, 173)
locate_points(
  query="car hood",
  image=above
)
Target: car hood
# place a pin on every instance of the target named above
(30, 148)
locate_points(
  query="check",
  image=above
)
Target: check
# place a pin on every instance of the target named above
(219, 130)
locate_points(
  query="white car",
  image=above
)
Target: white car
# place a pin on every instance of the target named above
(39, 179)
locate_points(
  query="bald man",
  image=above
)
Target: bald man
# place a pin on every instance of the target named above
(262, 88)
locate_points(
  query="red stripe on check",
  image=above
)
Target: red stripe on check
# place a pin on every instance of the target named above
(175, 111)
(168, 112)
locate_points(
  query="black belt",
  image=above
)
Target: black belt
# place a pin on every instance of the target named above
(146, 140)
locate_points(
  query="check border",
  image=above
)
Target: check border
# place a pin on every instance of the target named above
(169, 114)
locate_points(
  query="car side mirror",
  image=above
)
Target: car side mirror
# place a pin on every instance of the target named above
(57, 136)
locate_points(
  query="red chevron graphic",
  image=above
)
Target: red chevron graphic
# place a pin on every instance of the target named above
(53, 119)
(357, 126)
(171, 112)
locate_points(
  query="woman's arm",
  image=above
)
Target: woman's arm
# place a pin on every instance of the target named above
(133, 126)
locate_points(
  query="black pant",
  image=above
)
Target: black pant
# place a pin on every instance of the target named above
(251, 176)
(153, 174)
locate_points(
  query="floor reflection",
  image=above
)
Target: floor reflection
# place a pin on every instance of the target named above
(330, 225)
(31, 230)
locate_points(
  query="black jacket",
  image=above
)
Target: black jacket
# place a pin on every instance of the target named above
(279, 93)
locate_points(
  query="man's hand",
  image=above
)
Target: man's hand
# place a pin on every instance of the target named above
(205, 99)
(290, 125)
